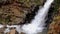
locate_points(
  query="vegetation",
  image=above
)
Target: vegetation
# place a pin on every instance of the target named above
(54, 27)
(56, 6)
(9, 6)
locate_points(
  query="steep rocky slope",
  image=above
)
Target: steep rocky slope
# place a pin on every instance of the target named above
(54, 27)
(18, 11)
(15, 11)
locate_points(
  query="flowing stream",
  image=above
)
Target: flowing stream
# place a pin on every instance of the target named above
(37, 24)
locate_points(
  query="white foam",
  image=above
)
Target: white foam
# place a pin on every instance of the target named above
(1, 26)
(18, 28)
(6, 30)
(37, 24)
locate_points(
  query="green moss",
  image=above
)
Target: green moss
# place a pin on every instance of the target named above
(33, 1)
(0, 20)
(56, 6)
(7, 20)
(28, 3)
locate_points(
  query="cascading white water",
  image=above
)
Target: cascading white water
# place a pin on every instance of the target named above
(1, 26)
(37, 24)
(18, 29)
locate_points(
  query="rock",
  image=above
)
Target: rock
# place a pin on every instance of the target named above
(15, 11)
(54, 27)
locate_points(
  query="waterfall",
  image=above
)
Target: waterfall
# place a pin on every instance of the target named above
(37, 24)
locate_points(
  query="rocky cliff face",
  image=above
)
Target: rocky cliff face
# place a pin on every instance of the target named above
(54, 27)
(18, 11)
(15, 11)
